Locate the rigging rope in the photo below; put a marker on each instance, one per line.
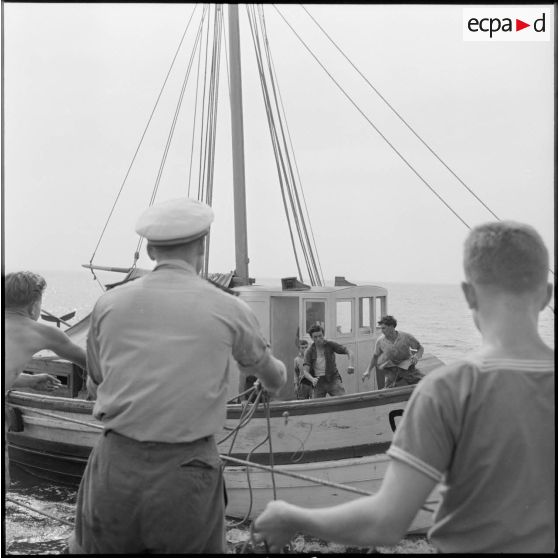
(424, 181)
(35, 510)
(172, 129)
(200, 194)
(274, 73)
(212, 121)
(141, 139)
(274, 142)
(267, 418)
(194, 123)
(283, 125)
(399, 115)
(288, 185)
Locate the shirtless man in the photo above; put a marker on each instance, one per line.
(24, 336)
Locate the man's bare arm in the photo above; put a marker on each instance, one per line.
(381, 519)
(42, 382)
(63, 346)
(371, 366)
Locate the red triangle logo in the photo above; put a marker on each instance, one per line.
(519, 25)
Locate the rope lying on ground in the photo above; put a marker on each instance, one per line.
(59, 519)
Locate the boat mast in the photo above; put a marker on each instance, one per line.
(237, 130)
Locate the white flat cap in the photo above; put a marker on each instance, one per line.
(175, 221)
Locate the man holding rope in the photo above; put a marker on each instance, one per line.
(482, 426)
(158, 354)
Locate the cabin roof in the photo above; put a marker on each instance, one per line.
(325, 290)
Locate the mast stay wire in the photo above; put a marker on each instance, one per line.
(424, 181)
(285, 171)
(194, 123)
(283, 121)
(394, 110)
(399, 115)
(170, 135)
(278, 155)
(203, 121)
(212, 120)
(272, 66)
(285, 158)
(273, 140)
(211, 116)
(140, 141)
(294, 188)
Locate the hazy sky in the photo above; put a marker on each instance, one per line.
(81, 80)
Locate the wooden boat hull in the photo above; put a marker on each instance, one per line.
(248, 489)
(348, 426)
(249, 495)
(341, 439)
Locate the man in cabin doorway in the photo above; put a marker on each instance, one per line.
(25, 336)
(158, 353)
(320, 364)
(482, 426)
(393, 359)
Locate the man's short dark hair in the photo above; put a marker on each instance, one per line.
(22, 289)
(388, 320)
(506, 254)
(314, 329)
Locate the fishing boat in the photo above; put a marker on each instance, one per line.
(338, 440)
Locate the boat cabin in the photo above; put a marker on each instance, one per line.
(347, 312)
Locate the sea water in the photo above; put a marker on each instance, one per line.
(435, 314)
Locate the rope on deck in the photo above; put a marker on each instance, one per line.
(59, 519)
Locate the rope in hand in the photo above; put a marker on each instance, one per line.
(252, 541)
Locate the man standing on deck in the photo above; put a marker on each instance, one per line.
(24, 336)
(392, 357)
(158, 352)
(482, 426)
(320, 365)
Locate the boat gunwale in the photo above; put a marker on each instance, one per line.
(347, 402)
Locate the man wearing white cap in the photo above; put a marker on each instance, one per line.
(158, 355)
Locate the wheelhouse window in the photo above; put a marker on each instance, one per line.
(365, 314)
(314, 314)
(344, 317)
